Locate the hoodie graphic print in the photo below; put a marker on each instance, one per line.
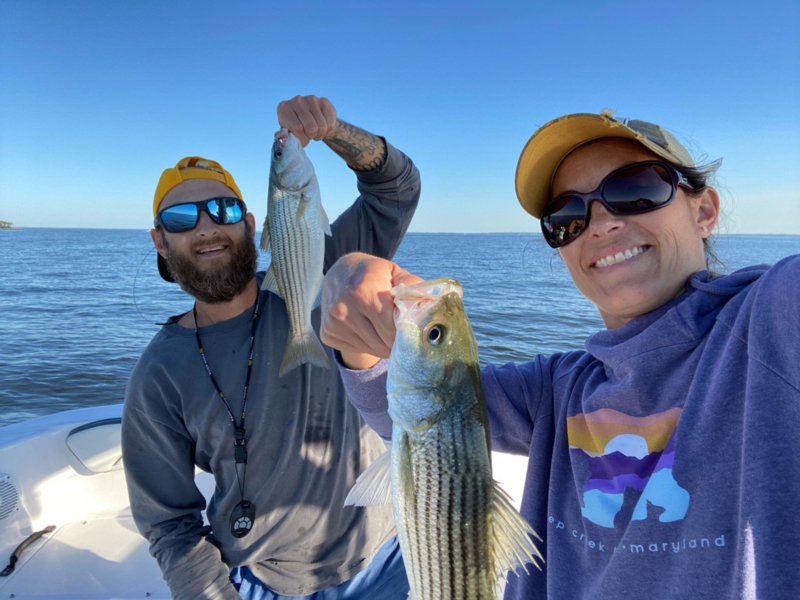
(624, 452)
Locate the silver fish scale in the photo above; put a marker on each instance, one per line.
(446, 523)
(298, 257)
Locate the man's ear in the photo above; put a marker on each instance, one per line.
(158, 242)
(251, 221)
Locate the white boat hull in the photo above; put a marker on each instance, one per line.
(95, 550)
(66, 470)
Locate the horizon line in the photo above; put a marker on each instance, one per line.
(22, 227)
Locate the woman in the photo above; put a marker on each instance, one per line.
(663, 459)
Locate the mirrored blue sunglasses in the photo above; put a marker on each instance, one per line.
(184, 217)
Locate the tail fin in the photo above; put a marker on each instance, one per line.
(303, 349)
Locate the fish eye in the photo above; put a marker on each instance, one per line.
(436, 335)
(278, 153)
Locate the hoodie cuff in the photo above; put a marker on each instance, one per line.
(366, 388)
(391, 169)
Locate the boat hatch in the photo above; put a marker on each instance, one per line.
(98, 445)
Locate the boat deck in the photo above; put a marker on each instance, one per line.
(66, 470)
(103, 558)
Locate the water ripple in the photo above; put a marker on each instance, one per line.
(73, 328)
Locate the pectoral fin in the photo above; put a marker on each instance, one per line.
(374, 486)
(403, 448)
(511, 546)
(302, 206)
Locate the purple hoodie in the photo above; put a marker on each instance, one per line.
(664, 461)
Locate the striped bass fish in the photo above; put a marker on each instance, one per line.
(294, 233)
(458, 532)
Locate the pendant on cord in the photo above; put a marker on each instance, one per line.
(242, 518)
(244, 513)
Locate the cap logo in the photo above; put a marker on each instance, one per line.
(195, 162)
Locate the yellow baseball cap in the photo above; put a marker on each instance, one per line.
(192, 167)
(553, 141)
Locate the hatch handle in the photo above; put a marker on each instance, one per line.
(12, 562)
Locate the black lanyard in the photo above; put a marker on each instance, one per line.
(244, 512)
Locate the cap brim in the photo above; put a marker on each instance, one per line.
(163, 270)
(552, 142)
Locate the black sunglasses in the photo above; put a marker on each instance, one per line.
(184, 217)
(631, 190)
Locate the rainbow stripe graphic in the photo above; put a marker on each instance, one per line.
(623, 452)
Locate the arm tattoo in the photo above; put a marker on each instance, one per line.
(361, 150)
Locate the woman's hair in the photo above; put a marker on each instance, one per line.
(701, 177)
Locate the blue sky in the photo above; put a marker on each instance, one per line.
(97, 97)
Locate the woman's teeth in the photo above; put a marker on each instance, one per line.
(613, 259)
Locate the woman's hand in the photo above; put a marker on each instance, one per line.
(357, 308)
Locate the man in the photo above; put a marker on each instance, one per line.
(284, 451)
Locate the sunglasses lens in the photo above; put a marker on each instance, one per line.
(636, 189)
(563, 220)
(640, 188)
(225, 211)
(183, 217)
(179, 218)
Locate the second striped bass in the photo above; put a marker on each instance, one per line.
(294, 233)
(458, 532)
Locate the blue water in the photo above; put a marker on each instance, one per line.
(78, 306)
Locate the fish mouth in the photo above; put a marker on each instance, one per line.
(286, 138)
(433, 288)
(413, 302)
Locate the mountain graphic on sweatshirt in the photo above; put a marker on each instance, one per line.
(623, 452)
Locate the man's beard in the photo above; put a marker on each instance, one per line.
(221, 283)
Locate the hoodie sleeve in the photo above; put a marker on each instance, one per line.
(366, 390)
(379, 218)
(516, 397)
(520, 398)
(773, 330)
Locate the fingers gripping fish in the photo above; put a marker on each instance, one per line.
(458, 532)
(294, 233)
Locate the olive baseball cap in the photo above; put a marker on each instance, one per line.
(190, 167)
(553, 141)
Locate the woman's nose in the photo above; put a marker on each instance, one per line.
(602, 220)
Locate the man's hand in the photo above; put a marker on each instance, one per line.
(307, 117)
(357, 309)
